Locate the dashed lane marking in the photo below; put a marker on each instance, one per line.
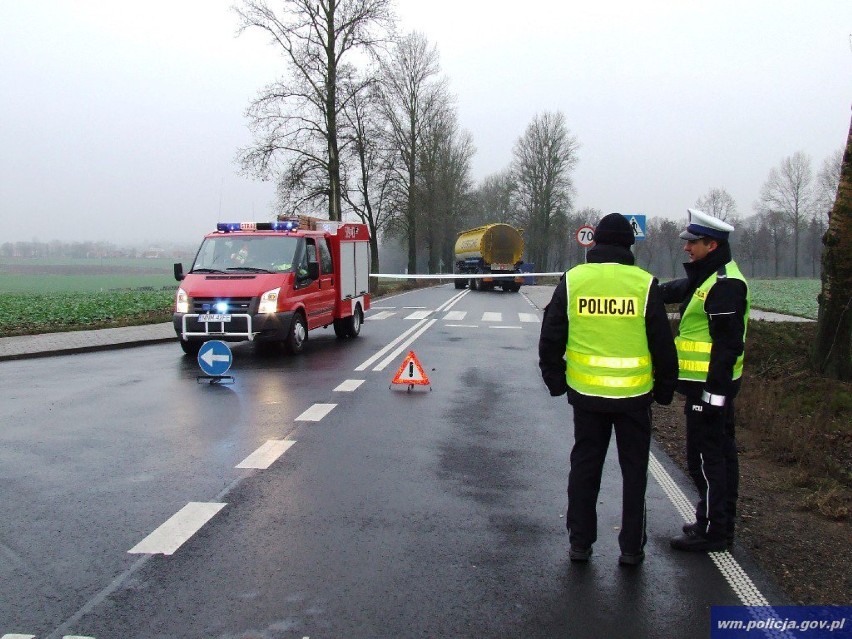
(316, 412)
(529, 317)
(14, 636)
(419, 315)
(266, 455)
(177, 529)
(348, 385)
(462, 325)
(492, 317)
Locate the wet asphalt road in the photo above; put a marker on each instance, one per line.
(425, 514)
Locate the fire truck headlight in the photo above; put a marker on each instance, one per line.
(269, 301)
(181, 301)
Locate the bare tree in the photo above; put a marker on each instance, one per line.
(492, 200)
(544, 158)
(788, 192)
(718, 203)
(295, 121)
(444, 185)
(368, 167)
(833, 347)
(412, 94)
(828, 179)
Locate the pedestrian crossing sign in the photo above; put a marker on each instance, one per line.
(410, 372)
(637, 223)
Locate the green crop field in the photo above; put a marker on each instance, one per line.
(791, 297)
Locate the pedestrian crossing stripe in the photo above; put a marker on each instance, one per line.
(410, 372)
(454, 316)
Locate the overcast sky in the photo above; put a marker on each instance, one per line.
(120, 121)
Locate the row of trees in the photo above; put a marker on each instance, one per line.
(363, 123)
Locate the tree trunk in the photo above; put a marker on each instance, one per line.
(832, 353)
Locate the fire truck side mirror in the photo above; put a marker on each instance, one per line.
(313, 270)
(178, 266)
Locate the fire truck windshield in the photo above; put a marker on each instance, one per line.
(235, 252)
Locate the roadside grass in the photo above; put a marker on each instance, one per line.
(797, 418)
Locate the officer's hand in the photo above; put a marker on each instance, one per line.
(556, 389)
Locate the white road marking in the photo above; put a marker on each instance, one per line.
(380, 308)
(316, 412)
(445, 306)
(455, 316)
(529, 317)
(14, 636)
(505, 327)
(366, 364)
(77, 637)
(413, 307)
(266, 455)
(387, 360)
(349, 385)
(177, 529)
(492, 317)
(462, 325)
(419, 315)
(728, 566)
(381, 315)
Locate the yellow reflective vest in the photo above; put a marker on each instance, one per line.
(693, 342)
(607, 354)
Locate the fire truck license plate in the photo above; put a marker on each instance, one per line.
(214, 317)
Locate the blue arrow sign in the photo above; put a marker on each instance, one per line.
(215, 358)
(638, 224)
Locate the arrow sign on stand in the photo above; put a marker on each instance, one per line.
(215, 358)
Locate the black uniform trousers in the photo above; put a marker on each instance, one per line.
(592, 432)
(711, 458)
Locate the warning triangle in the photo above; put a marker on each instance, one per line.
(410, 372)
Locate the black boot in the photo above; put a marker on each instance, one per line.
(693, 541)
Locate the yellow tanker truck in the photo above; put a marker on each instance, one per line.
(493, 250)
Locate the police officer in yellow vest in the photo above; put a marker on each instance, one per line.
(714, 312)
(606, 341)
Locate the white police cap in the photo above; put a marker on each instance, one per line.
(703, 225)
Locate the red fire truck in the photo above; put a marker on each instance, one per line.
(272, 282)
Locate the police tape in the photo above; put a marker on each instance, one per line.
(461, 276)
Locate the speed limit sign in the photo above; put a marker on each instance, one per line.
(585, 235)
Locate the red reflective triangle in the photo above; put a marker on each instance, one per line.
(410, 372)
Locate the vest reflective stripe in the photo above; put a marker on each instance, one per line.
(609, 362)
(693, 342)
(607, 353)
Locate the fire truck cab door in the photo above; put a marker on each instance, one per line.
(321, 308)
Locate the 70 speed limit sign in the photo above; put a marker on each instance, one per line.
(585, 235)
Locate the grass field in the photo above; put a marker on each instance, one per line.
(38, 296)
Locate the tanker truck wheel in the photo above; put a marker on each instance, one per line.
(474, 284)
(459, 283)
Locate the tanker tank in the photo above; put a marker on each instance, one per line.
(493, 254)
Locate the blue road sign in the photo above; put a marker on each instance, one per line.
(214, 358)
(638, 224)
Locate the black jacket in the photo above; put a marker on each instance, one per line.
(725, 306)
(554, 338)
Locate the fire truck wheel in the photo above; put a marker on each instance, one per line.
(190, 348)
(353, 324)
(298, 336)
